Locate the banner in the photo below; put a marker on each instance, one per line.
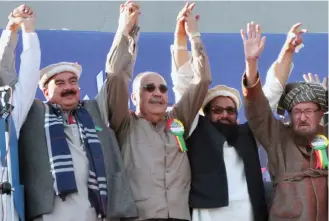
(225, 52)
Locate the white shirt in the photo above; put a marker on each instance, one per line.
(23, 95)
(29, 74)
(239, 207)
(76, 205)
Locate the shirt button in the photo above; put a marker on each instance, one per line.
(167, 171)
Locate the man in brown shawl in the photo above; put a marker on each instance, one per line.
(299, 179)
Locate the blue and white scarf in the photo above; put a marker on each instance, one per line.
(61, 161)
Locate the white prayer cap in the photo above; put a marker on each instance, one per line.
(53, 69)
(222, 90)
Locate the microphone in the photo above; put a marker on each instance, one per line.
(5, 188)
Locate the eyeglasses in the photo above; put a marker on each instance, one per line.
(152, 87)
(220, 110)
(308, 112)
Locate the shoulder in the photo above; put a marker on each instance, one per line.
(89, 102)
(202, 119)
(38, 103)
(245, 129)
(245, 126)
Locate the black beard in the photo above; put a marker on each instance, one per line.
(229, 131)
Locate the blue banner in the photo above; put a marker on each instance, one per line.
(225, 53)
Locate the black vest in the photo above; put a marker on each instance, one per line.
(209, 182)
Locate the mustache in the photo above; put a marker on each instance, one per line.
(303, 124)
(68, 92)
(225, 119)
(156, 100)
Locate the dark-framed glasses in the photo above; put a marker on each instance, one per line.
(152, 87)
(307, 112)
(220, 110)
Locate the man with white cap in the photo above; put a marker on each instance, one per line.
(298, 152)
(17, 96)
(70, 162)
(214, 163)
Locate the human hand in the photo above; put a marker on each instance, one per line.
(180, 20)
(253, 43)
(17, 16)
(129, 14)
(191, 22)
(310, 78)
(294, 38)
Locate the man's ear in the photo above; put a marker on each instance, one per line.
(134, 99)
(45, 92)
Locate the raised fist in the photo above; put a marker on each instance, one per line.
(129, 14)
(22, 11)
(22, 16)
(180, 20)
(191, 21)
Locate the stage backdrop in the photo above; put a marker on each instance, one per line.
(225, 53)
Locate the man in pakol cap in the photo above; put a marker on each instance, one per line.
(297, 152)
(70, 162)
(73, 168)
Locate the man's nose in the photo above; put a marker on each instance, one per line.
(302, 117)
(224, 114)
(66, 85)
(157, 92)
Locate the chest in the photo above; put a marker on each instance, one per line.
(154, 136)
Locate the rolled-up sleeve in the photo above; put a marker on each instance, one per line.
(273, 89)
(192, 99)
(182, 76)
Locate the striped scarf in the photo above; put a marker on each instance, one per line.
(61, 162)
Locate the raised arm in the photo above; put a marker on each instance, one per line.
(29, 71)
(119, 67)
(273, 88)
(8, 43)
(182, 75)
(264, 126)
(181, 66)
(190, 103)
(280, 70)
